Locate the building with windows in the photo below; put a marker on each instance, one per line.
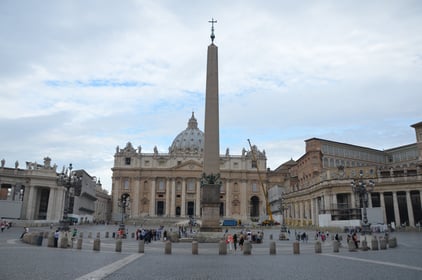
(168, 184)
(102, 212)
(82, 201)
(318, 184)
(35, 194)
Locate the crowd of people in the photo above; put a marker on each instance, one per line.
(5, 225)
(237, 240)
(149, 235)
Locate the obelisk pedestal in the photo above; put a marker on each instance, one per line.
(210, 208)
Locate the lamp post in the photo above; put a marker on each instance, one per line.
(282, 208)
(362, 188)
(283, 230)
(69, 180)
(124, 204)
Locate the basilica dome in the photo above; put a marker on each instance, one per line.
(190, 140)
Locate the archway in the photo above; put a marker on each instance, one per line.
(254, 209)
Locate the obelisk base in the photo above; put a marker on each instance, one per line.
(210, 208)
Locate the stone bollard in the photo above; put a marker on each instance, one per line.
(296, 248)
(141, 246)
(194, 247)
(247, 247)
(336, 246)
(118, 245)
(97, 244)
(364, 245)
(40, 238)
(318, 249)
(89, 234)
(392, 242)
(33, 239)
(107, 234)
(133, 235)
(352, 247)
(272, 248)
(81, 235)
(50, 240)
(167, 248)
(64, 241)
(98, 235)
(374, 243)
(222, 247)
(383, 244)
(79, 244)
(271, 237)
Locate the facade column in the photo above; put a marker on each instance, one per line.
(173, 198)
(313, 212)
(168, 205)
(352, 200)
(30, 208)
(301, 210)
(244, 202)
(308, 210)
(228, 199)
(183, 206)
(396, 209)
(317, 209)
(369, 200)
(198, 199)
(334, 201)
(135, 199)
(384, 211)
(410, 209)
(115, 195)
(53, 213)
(152, 199)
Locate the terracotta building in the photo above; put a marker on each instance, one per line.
(317, 189)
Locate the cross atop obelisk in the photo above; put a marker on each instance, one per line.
(212, 21)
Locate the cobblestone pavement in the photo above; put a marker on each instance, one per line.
(23, 261)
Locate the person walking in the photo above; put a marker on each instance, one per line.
(241, 241)
(235, 241)
(56, 238)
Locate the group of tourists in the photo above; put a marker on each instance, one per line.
(236, 240)
(322, 235)
(5, 225)
(354, 237)
(148, 235)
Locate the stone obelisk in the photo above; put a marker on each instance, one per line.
(210, 183)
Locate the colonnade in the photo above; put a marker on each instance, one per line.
(302, 212)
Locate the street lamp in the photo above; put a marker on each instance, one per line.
(362, 188)
(283, 230)
(124, 204)
(69, 180)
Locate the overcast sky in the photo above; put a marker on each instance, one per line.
(78, 78)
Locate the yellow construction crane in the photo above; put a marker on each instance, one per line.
(270, 220)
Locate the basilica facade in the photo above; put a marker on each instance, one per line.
(168, 184)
